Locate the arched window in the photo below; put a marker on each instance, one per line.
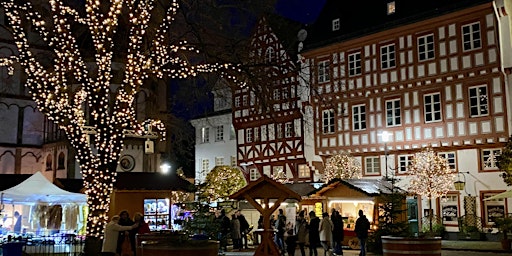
(49, 163)
(61, 160)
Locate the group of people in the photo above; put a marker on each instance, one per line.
(327, 232)
(238, 227)
(120, 232)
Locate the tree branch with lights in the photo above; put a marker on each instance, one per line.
(76, 88)
(342, 166)
(221, 182)
(431, 176)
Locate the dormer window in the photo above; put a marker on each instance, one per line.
(391, 8)
(336, 24)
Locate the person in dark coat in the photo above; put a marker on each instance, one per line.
(225, 228)
(244, 228)
(361, 229)
(314, 234)
(301, 227)
(17, 224)
(337, 232)
(125, 220)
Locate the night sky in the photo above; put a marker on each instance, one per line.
(305, 11)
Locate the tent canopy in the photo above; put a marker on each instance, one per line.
(506, 194)
(38, 189)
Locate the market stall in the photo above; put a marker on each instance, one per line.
(348, 196)
(42, 208)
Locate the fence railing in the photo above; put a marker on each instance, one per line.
(58, 244)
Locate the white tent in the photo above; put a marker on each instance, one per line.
(506, 194)
(38, 190)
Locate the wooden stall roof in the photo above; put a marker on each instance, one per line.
(137, 181)
(265, 187)
(368, 187)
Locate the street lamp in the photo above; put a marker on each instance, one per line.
(385, 138)
(165, 167)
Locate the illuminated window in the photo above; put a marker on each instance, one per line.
(391, 7)
(493, 209)
(304, 171)
(450, 209)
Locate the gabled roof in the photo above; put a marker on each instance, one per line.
(265, 187)
(370, 187)
(360, 18)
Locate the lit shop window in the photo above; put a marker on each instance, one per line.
(156, 213)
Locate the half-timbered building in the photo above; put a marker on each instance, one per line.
(428, 74)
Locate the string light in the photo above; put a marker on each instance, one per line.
(68, 89)
(342, 166)
(223, 181)
(430, 173)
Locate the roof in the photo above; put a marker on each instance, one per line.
(370, 187)
(152, 181)
(359, 18)
(303, 189)
(265, 187)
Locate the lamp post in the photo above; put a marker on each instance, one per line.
(385, 138)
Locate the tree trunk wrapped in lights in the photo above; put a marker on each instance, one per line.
(431, 176)
(342, 166)
(75, 88)
(223, 181)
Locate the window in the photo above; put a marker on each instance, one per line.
(256, 134)
(478, 101)
(205, 166)
(279, 128)
(61, 161)
(403, 163)
(359, 117)
(232, 135)
(336, 24)
(245, 100)
(493, 209)
(277, 94)
(269, 55)
(233, 161)
(432, 107)
(450, 157)
(219, 133)
(304, 171)
(426, 47)
(328, 121)
(288, 130)
(237, 101)
(393, 113)
(372, 164)
(354, 64)
(387, 56)
(156, 213)
(489, 161)
(450, 209)
(248, 135)
(471, 38)
(254, 174)
(391, 7)
(219, 161)
(205, 135)
(323, 71)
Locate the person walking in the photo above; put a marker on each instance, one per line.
(244, 229)
(225, 225)
(281, 228)
(361, 229)
(236, 236)
(111, 235)
(337, 232)
(314, 235)
(301, 227)
(325, 230)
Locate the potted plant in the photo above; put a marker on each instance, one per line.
(504, 225)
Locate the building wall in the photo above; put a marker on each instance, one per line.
(451, 74)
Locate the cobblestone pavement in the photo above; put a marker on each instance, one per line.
(356, 253)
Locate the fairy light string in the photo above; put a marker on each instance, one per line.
(75, 93)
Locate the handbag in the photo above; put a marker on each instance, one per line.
(126, 247)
